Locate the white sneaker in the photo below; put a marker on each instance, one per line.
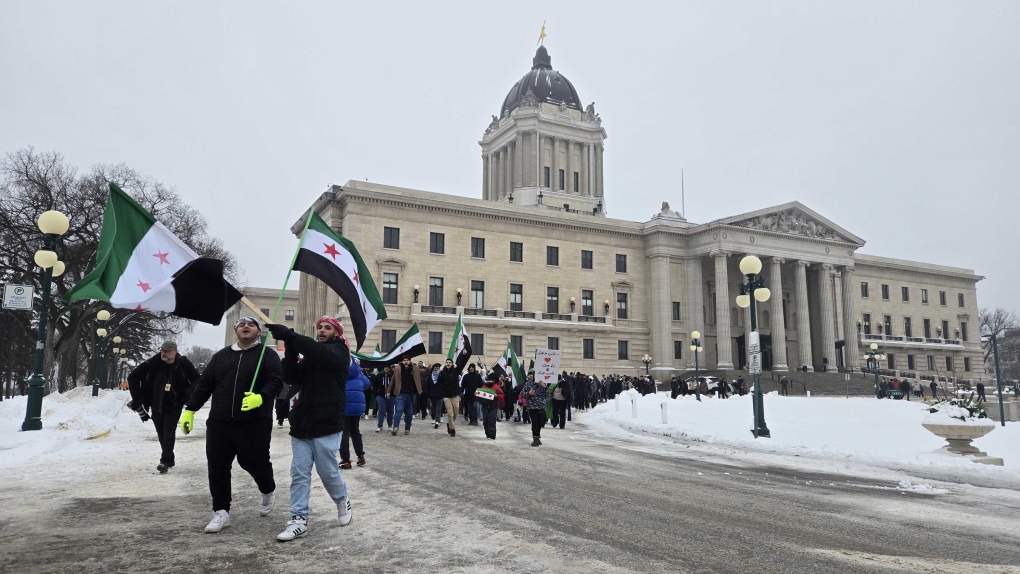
(378, 429)
(219, 521)
(296, 526)
(268, 501)
(343, 511)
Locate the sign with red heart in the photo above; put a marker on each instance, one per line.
(547, 365)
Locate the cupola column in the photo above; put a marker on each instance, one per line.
(485, 177)
(519, 160)
(584, 168)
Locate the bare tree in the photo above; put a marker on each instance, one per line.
(996, 321)
(197, 354)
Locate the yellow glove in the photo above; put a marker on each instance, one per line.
(187, 422)
(251, 401)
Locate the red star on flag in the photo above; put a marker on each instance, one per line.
(331, 250)
(162, 257)
(140, 308)
(144, 286)
(356, 280)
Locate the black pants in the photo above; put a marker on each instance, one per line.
(351, 432)
(282, 408)
(248, 441)
(559, 415)
(537, 421)
(166, 430)
(489, 409)
(472, 413)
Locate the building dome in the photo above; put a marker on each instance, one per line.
(546, 84)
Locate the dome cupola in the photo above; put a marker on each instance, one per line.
(546, 84)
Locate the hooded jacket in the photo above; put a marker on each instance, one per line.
(147, 382)
(320, 382)
(357, 388)
(472, 380)
(229, 375)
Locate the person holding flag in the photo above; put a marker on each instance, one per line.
(449, 377)
(491, 403)
(240, 423)
(537, 395)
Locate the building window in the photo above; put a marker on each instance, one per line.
(478, 247)
(265, 311)
(478, 344)
(552, 255)
(437, 243)
(959, 300)
(389, 340)
(927, 328)
(945, 329)
(905, 293)
(867, 323)
(391, 237)
(864, 289)
(552, 299)
(887, 319)
(587, 302)
(589, 348)
(516, 252)
(966, 364)
(906, 327)
(545, 176)
(924, 296)
(621, 263)
(586, 259)
(436, 343)
(963, 331)
(949, 364)
(678, 350)
(890, 361)
(436, 291)
(561, 183)
(478, 295)
(885, 292)
(389, 288)
(911, 365)
(517, 342)
(676, 310)
(553, 344)
(931, 362)
(288, 315)
(942, 298)
(577, 182)
(621, 305)
(516, 297)
(622, 350)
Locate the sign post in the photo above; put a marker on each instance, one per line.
(18, 296)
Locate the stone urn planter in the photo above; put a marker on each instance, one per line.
(959, 426)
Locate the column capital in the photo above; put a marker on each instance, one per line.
(828, 267)
(848, 269)
(778, 260)
(718, 253)
(803, 263)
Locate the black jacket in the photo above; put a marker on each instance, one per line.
(229, 375)
(320, 380)
(380, 383)
(147, 382)
(472, 381)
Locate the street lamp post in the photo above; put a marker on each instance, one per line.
(755, 290)
(115, 362)
(52, 224)
(696, 348)
(101, 318)
(646, 360)
(873, 357)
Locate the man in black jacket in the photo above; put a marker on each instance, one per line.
(162, 384)
(471, 382)
(317, 419)
(449, 386)
(240, 423)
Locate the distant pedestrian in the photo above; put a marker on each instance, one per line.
(934, 390)
(491, 406)
(357, 389)
(784, 384)
(537, 395)
(981, 391)
(405, 387)
(384, 406)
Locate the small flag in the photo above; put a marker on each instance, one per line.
(509, 365)
(142, 265)
(378, 351)
(336, 262)
(461, 340)
(410, 345)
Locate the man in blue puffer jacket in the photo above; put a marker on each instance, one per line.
(357, 404)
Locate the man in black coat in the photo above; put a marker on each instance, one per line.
(472, 381)
(162, 384)
(240, 423)
(448, 384)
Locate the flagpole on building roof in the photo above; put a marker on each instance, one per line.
(283, 290)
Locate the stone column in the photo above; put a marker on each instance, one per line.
(850, 351)
(694, 286)
(803, 319)
(519, 160)
(779, 363)
(585, 150)
(661, 347)
(485, 177)
(554, 161)
(837, 301)
(538, 159)
(568, 179)
(508, 169)
(828, 321)
(599, 190)
(724, 342)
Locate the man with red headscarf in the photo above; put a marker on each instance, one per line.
(316, 420)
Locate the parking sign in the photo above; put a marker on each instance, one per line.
(18, 296)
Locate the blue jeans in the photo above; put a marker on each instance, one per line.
(404, 406)
(322, 452)
(385, 407)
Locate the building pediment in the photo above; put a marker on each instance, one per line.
(793, 219)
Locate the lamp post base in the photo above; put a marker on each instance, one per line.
(33, 414)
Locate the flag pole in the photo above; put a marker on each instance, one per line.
(283, 291)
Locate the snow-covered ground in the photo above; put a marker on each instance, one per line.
(856, 433)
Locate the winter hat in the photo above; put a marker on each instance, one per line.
(252, 320)
(336, 325)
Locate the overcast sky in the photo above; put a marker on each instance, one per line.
(896, 120)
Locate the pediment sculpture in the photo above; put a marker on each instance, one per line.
(792, 222)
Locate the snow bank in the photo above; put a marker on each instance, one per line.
(865, 431)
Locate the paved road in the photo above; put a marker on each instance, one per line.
(580, 503)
